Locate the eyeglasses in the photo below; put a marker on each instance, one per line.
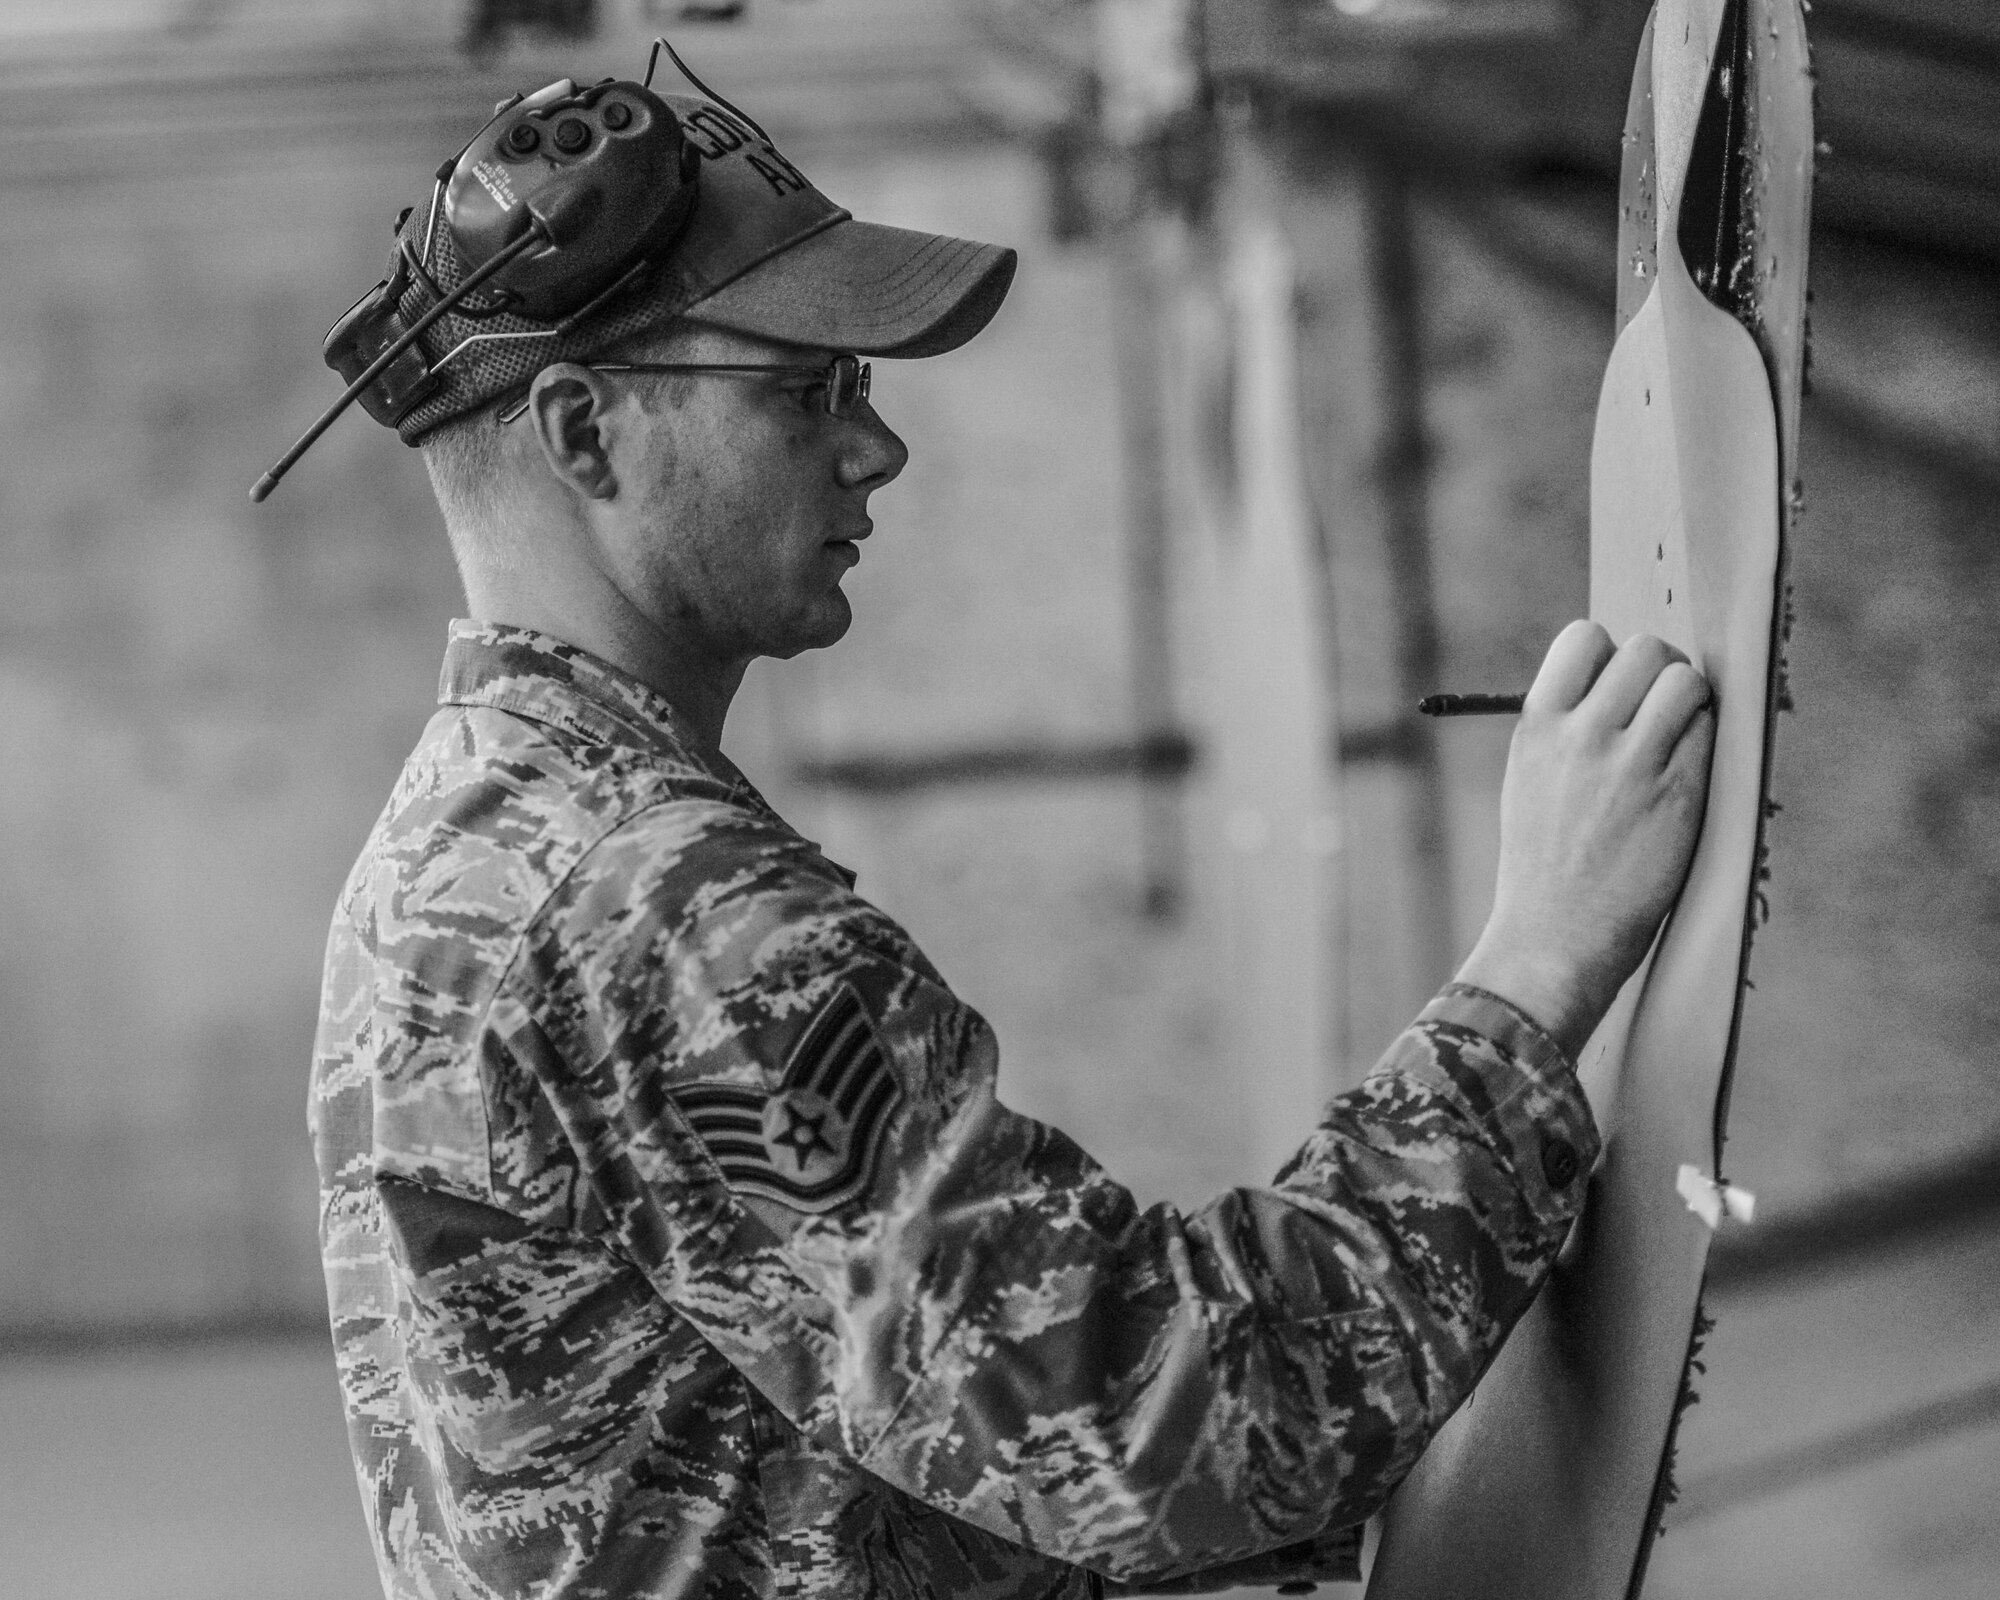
(846, 379)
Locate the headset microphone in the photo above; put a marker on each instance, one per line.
(537, 233)
(564, 200)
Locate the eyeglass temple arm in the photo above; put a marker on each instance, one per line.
(697, 366)
(514, 408)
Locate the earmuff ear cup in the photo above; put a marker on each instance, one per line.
(610, 161)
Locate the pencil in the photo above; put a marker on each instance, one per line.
(1470, 705)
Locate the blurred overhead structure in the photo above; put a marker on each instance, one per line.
(490, 23)
(1313, 47)
(1494, 93)
(146, 99)
(1909, 98)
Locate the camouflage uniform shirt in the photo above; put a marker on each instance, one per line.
(677, 1245)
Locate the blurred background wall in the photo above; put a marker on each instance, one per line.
(202, 704)
(207, 701)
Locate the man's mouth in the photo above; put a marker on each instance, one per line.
(849, 548)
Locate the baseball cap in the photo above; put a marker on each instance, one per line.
(764, 253)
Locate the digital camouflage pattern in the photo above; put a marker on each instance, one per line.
(610, 1324)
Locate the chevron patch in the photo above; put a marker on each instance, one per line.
(811, 1142)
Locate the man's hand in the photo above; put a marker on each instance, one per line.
(1603, 800)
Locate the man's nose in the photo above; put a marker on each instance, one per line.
(873, 453)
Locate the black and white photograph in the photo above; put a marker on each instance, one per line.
(999, 799)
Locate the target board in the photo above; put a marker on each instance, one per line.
(1549, 1482)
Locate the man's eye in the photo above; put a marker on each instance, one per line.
(807, 395)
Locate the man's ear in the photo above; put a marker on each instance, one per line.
(566, 404)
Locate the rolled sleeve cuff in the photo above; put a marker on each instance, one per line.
(1523, 1087)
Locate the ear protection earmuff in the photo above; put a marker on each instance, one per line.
(565, 198)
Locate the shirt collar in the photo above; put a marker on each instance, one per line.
(537, 676)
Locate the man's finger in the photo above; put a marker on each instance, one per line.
(1570, 668)
(1675, 700)
(1688, 762)
(1622, 686)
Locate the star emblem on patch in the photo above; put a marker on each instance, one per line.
(811, 1142)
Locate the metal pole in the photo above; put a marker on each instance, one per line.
(1162, 846)
(1404, 477)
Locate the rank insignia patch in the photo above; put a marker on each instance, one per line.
(810, 1143)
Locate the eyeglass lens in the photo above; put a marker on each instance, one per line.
(847, 386)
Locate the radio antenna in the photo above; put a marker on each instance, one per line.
(536, 233)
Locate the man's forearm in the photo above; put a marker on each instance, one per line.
(1217, 1386)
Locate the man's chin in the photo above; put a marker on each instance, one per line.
(824, 624)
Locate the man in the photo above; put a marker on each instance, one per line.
(676, 1242)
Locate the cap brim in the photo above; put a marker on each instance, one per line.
(871, 289)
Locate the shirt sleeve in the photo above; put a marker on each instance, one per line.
(787, 1121)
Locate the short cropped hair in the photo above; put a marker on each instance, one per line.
(463, 460)
(463, 456)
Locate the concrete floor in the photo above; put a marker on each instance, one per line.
(222, 1473)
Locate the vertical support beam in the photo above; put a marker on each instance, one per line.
(1272, 770)
(1146, 80)
(1315, 174)
(1141, 378)
(1404, 476)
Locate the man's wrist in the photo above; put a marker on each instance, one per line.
(1556, 1001)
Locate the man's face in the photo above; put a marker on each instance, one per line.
(741, 502)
